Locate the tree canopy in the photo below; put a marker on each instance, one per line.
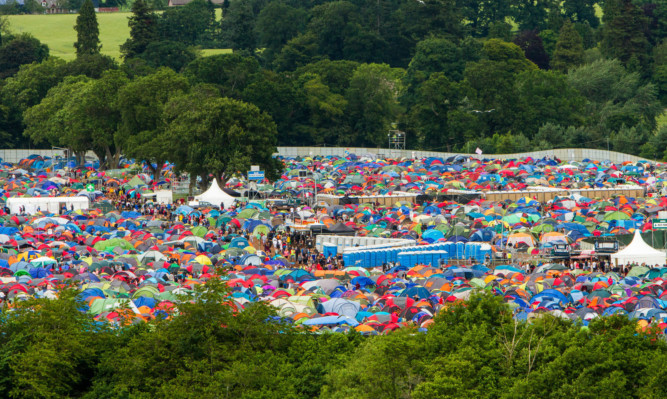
(453, 75)
(211, 349)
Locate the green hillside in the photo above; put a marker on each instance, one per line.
(57, 31)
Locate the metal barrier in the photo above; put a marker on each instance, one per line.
(565, 154)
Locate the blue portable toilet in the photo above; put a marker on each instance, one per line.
(442, 255)
(460, 250)
(450, 247)
(329, 250)
(394, 255)
(403, 258)
(484, 250)
(427, 258)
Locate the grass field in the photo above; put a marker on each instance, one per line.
(57, 31)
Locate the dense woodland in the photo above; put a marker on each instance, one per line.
(501, 75)
(473, 350)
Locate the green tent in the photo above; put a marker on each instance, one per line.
(247, 213)
(616, 215)
(134, 182)
(112, 243)
(638, 271)
(199, 231)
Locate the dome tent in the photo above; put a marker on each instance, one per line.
(638, 252)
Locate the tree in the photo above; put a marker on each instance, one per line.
(277, 23)
(20, 50)
(623, 33)
(238, 27)
(395, 371)
(660, 69)
(174, 55)
(569, 51)
(96, 112)
(509, 54)
(23, 90)
(581, 11)
(615, 97)
(531, 44)
(630, 140)
(143, 127)
(546, 97)
(220, 136)
(191, 24)
(492, 83)
(417, 20)
(480, 15)
(437, 55)
(50, 348)
(335, 74)
(656, 145)
(91, 65)
(655, 12)
(231, 73)
(533, 15)
(330, 24)
(32, 82)
(435, 99)
(87, 30)
(54, 121)
(143, 30)
(326, 110)
(277, 95)
(299, 51)
(372, 103)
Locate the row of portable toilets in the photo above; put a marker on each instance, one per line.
(419, 254)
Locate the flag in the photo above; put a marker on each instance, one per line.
(478, 151)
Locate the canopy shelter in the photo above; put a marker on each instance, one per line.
(216, 196)
(638, 252)
(46, 204)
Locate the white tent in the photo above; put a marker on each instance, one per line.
(638, 252)
(46, 204)
(216, 196)
(160, 196)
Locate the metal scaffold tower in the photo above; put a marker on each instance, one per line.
(396, 141)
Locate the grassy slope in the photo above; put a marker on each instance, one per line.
(57, 31)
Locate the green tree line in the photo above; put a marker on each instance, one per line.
(504, 76)
(211, 349)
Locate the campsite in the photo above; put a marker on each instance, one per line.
(333, 199)
(231, 277)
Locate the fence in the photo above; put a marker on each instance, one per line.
(568, 154)
(565, 154)
(14, 156)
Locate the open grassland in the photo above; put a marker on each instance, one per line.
(57, 31)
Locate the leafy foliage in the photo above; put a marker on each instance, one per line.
(87, 31)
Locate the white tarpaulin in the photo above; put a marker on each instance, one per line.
(638, 252)
(215, 196)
